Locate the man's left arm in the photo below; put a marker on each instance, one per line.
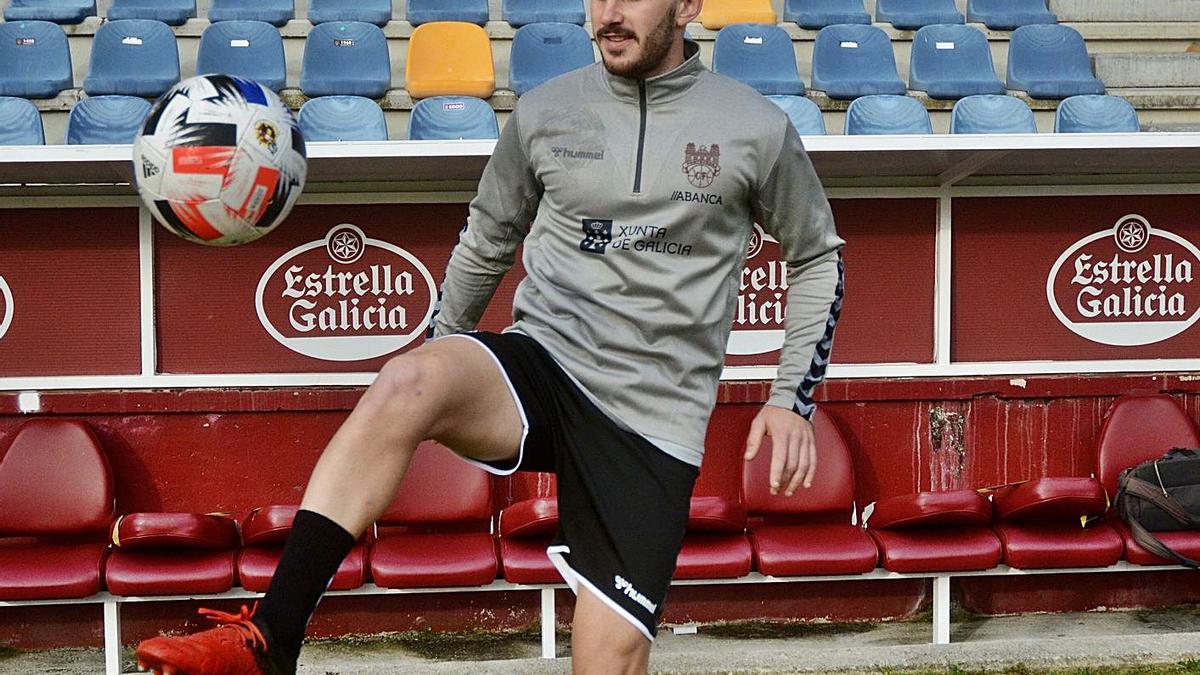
(793, 209)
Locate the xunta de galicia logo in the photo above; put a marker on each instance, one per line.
(1128, 285)
(346, 297)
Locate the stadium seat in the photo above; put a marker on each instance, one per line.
(342, 118)
(442, 118)
(377, 12)
(715, 544)
(170, 12)
(760, 56)
(435, 533)
(20, 123)
(951, 62)
(990, 114)
(133, 57)
(274, 12)
(450, 58)
(1041, 524)
(1095, 114)
(103, 120)
(885, 114)
(35, 61)
(805, 115)
(935, 532)
(810, 533)
(56, 503)
(427, 11)
(851, 61)
(56, 11)
(526, 529)
(264, 533)
(717, 14)
(817, 14)
(1009, 14)
(541, 51)
(914, 14)
(1050, 61)
(249, 49)
(1139, 428)
(171, 554)
(524, 12)
(346, 59)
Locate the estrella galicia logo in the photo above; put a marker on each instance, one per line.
(701, 164)
(597, 235)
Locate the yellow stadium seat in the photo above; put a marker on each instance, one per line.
(720, 13)
(449, 58)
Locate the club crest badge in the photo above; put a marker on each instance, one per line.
(702, 164)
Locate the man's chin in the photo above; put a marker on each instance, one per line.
(622, 68)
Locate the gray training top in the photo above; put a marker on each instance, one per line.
(635, 201)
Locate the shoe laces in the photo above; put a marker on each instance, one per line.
(241, 622)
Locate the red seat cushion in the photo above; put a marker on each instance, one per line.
(524, 561)
(169, 572)
(798, 550)
(175, 531)
(1138, 428)
(832, 490)
(1184, 542)
(1040, 545)
(1053, 499)
(267, 525)
(530, 518)
(716, 514)
(931, 509)
(55, 479)
(428, 560)
(34, 571)
(256, 565)
(713, 556)
(946, 549)
(439, 487)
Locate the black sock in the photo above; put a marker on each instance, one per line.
(313, 552)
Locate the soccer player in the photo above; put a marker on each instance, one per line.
(633, 185)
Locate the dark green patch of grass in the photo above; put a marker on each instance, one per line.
(8, 652)
(766, 630)
(442, 646)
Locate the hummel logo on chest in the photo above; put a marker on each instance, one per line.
(570, 153)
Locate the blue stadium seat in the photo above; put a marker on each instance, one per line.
(760, 55)
(816, 14)
(443, 118)
(1095, 114)
(35, 61)
(170, 12)
(950, 61)
(348, 58)
(913, 14)
(1009, 14)
(1050, 61)
(342, 118)
(524, 12)
(132, 57)
(57, 11)
(274, 12)
(249, 49)
(806, 117)
(428, 11)
(20, 123)
(378, 12)
(885, 114)
(106, 119)
(541, 51)
(990, 114)
(852, 61)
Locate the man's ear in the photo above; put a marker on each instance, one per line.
(689, 11)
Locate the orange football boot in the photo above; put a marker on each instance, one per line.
(235, 647)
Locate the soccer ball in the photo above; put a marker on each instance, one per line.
(220, 160)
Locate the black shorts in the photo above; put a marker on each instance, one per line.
(622, 502)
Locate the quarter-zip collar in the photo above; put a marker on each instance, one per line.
(661, 88)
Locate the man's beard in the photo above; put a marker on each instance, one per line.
(655, 48)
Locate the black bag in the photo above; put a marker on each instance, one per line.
(1162, 495)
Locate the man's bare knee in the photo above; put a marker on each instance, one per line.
(408, 383)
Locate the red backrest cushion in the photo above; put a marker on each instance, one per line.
(1050, 499)
(931, 509)
(267, 525)
(715, 514)
(175, 531)
(440, 488)
(833, 484)
(530, 518)
(1139, 428)
(55, 479)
